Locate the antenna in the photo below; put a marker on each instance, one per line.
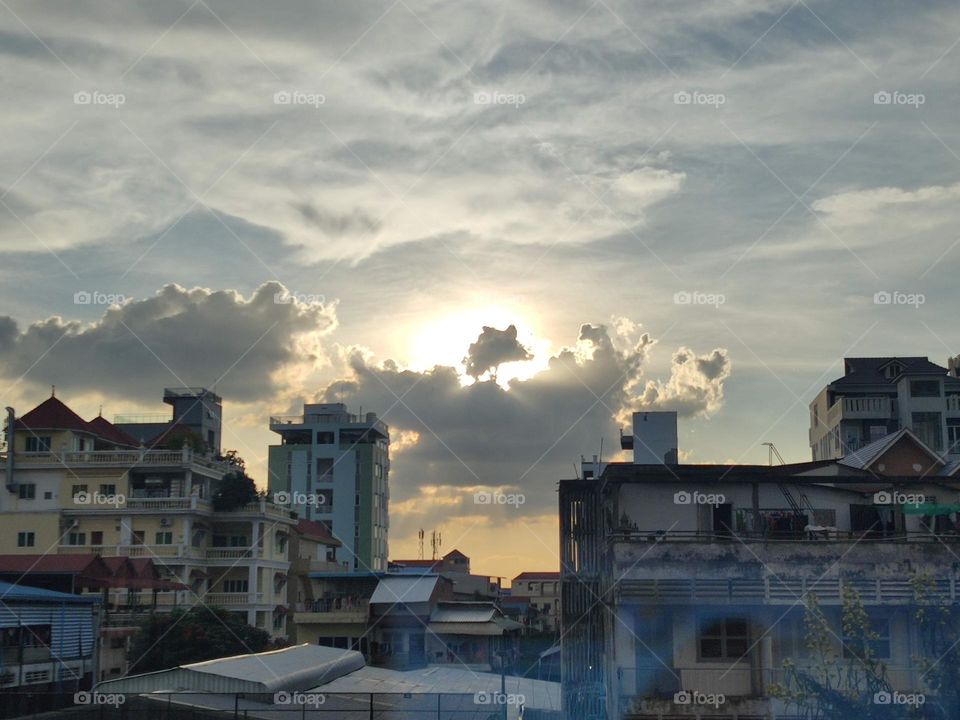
(771, 451)
(600, 457)
(420, 544)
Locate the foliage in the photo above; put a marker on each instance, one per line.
(233, 490)
(180, 435)
(201, 633)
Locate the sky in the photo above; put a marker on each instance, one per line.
(503, 226)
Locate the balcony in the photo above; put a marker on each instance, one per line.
(290, 422)
(345, 609)
(229, 599)
(165, 504)
(233, 553)
(124, 459)
(866, 408)
(953, 405)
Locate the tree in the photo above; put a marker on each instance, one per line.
(178, 436)
(201, 633)
(233, 490)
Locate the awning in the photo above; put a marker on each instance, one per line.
(931, 509)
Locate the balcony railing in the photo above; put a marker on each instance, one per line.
(168, 503)
(233, 553)
(126, 459)
(864, 408)
(241, 598)
(953, 404)
(325, 419)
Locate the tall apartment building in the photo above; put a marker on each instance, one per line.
(76, 486)
(333, 467)
(684, 586)
(878, 396)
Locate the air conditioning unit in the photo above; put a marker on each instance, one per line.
(165, 522)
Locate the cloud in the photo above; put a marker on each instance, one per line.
(523, 438)
(858, 207)
(493, 348)
(179, 336)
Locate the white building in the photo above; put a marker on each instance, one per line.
(333, 467)
(878, 396)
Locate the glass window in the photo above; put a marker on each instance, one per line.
(25, 539)
(925, 388)
(76, 538)
(38, 444)
(164, 538)
(926, 426)
(723, 639)
(110, 489)
(27, 491)
(324, 469)
(96, 537)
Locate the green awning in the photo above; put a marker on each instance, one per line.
(931, 509)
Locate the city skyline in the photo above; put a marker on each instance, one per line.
(691, 207)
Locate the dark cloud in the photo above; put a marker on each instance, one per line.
(337, 224)
(522, 439)
(493, 348)
(179, 336)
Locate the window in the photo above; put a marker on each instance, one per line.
(25, 539)
(117, 643)
(953, 438)
(110, 489)
(38, 444)
(164, 538)
(926, 426)
(878, 640)
(325, 438)
(27, 491)
(96, 537)
(324, 469)
(793, 637)
(138, 537)
(924, 388)
(235, 586)
(723, 639)
(77, 489)
(47, 495)
(76, 538)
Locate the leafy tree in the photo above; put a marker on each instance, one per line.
(233, 490)
(177, 436)
(201, 633)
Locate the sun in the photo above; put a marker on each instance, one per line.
(444, 339)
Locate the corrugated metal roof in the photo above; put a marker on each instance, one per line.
(10, 592)
(393, 590)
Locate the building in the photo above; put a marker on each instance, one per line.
(542, 590)
(684, 587)
(87, 487)
(47, 640)
(455, 566)
(315, 681)
(195, 409)
(333, 467)
(880, 395)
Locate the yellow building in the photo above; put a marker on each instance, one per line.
(73, 486)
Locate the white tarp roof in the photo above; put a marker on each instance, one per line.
(404, 589)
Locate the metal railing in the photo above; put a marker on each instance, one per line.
(232, 598)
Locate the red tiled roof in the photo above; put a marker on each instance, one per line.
(106, 430)
(537, 576)
(52, 414)
(317, 531)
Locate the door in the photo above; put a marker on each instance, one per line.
(723, 519)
